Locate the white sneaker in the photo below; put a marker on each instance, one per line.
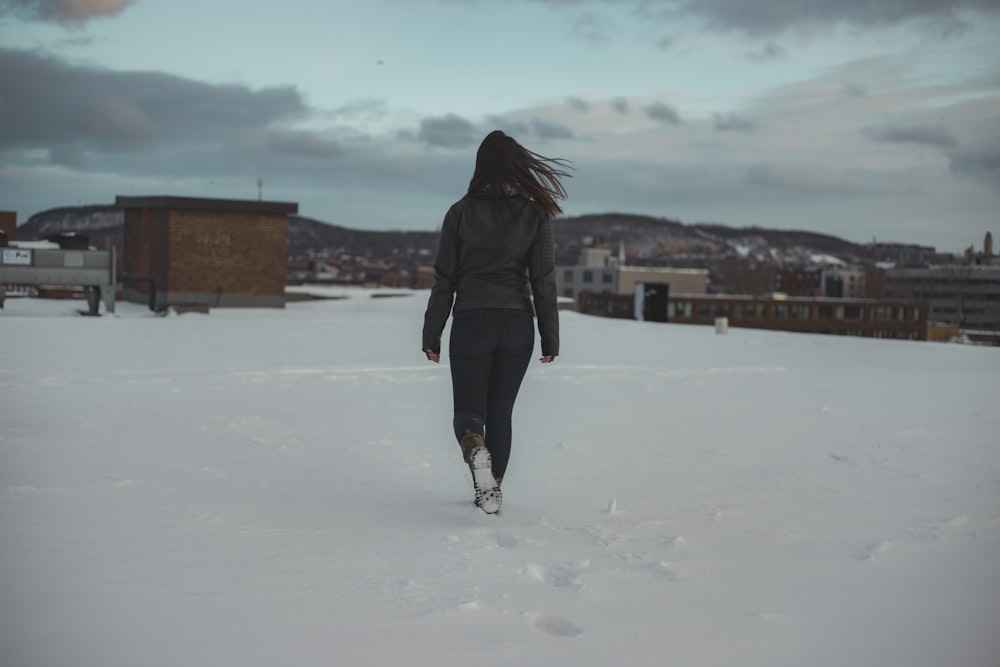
(488, 497)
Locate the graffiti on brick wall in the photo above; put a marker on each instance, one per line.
(217, 244)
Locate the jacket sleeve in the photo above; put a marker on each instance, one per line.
(445, 279)
(542, 274)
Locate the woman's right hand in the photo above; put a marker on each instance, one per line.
(432, 355)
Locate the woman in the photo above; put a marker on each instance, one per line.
(495, 260)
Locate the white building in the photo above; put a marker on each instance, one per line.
(598, 271)
(843, 282)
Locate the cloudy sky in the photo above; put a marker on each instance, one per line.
(860, 118)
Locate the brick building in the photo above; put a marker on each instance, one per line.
(204, 253)
(799, 282)
(900, 319)
(8, 225)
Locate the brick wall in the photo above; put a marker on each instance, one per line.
(144, 256)
(8, 224)
(220, 252)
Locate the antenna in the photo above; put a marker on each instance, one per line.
(260, 188)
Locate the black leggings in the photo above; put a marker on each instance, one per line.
(489, 353)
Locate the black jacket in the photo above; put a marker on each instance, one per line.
(494, 253)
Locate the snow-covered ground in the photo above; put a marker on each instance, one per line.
(268, 487)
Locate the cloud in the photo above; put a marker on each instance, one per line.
(449, 131)
(118, 123)
(619, 104)
(524, 130)
(813, 179)
(855, 90)
(52, 105)
(665, 43)
(367, 108)
(662, 113)
(772, 17)
(514, 128)
(577, 104)
(928, 135)
(769, 51)
(981, 163)
(67, 12)
(544, 129)
(68, 156)
(593, 29)
(304, 144)
(732, 121)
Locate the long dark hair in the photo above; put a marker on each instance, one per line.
(505, 167)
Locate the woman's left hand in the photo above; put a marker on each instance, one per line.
(547, 359)
(433, 356)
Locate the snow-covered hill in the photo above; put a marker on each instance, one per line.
(261, 487)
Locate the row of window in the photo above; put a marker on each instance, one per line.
(875, 333)
(588, 277)
(943, 281)
(969, 296)
(966, 311)
(793, 311)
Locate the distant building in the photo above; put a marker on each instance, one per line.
(423, 277)
(799, 282)
(687, 281)
(204, 253)
(598, 271)
(963, 295)
(905, 320)
(986, 257)
(745, 275)
(906, 255)
(844, 283)
(838, 282)
(8, 226)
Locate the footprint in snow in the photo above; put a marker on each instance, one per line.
(556, 626)
(33, 489)
(507, 540)
(557, 576)
(771, 616)
(873, 551)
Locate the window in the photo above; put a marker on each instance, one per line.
(680, 309)
(588, 276)
(607, 278)
(568, 275)
(704, 310)
(800, 311)
(848, 313)
(876, 313)
(781, 311)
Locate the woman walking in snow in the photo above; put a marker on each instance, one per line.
(495, 260)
